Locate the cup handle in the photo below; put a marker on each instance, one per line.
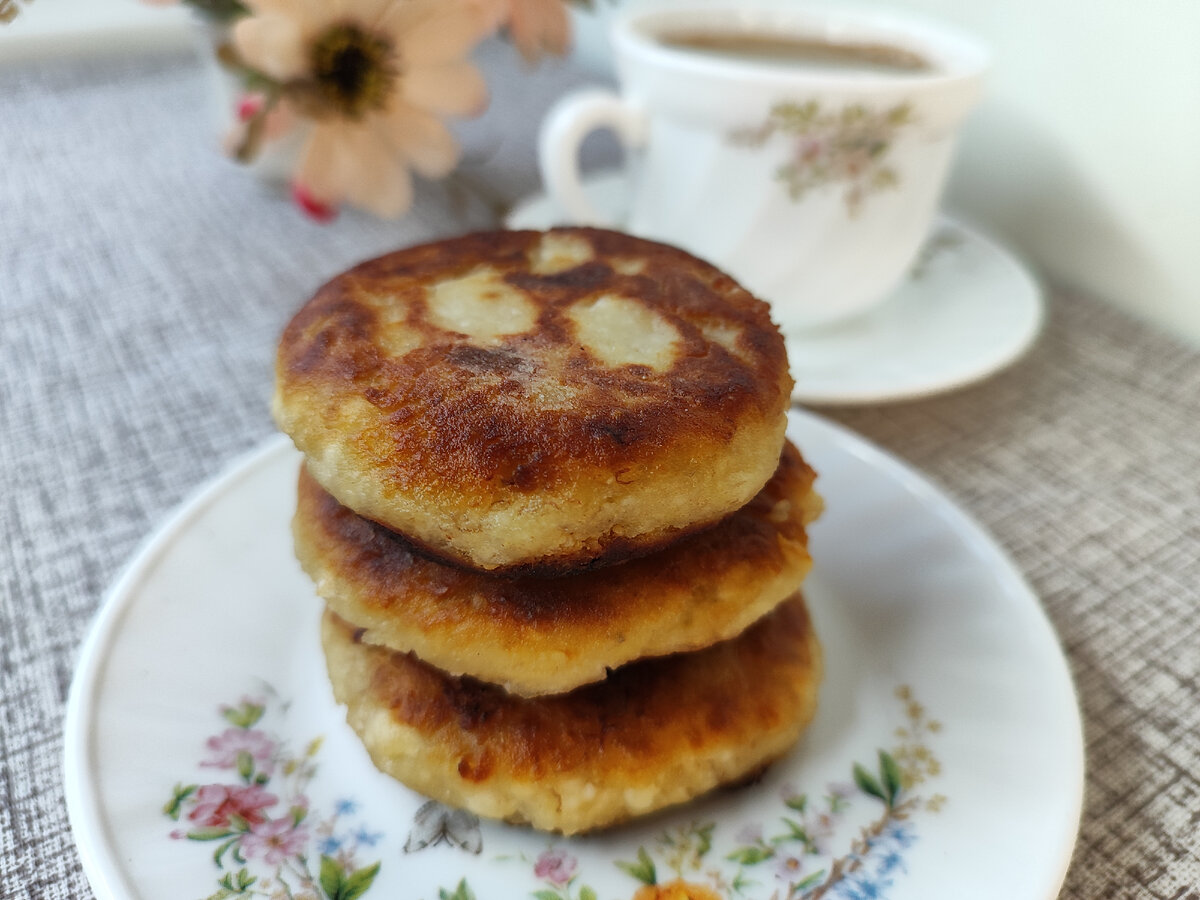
(569, 121)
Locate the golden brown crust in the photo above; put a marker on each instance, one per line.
(655, 733)
(538, 635)
(397, 413)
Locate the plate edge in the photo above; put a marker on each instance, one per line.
(945, 503)
(84, 814)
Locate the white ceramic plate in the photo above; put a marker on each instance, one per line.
(203, 747)
(967, 309)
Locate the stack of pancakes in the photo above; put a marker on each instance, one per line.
(549, 504)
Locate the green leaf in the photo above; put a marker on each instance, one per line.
(462, 892)
(750, 856)
(705, 835)
(891, 776)
(359, 882)
(245, 879)
(796, 829)
(798, 802)
(208, 834)
(867, 784)
(643, 870)
(245, 765)
(586, 893)
(741, 882)
(798, 832)
(546, 895)
(243, 716)
(811, 881)
(220, 851)
(178, 795)
(332, 877)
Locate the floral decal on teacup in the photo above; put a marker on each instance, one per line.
(255, 812)
(848, 146)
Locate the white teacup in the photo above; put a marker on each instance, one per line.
(802, 151)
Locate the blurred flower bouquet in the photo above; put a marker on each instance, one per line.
(362, 87)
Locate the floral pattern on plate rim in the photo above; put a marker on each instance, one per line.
(256, 813)
(849, 146)
(265, 839)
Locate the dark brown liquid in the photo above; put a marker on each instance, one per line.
(808, 53)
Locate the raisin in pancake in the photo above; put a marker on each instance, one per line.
(547, 635)
(517, 400)
(654, 734)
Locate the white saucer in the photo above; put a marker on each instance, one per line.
(967, 309)
(204, 749)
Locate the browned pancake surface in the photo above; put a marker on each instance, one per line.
(535, 374)
(655, 733)
(548, 635)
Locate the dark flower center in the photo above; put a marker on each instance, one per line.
(353, 71)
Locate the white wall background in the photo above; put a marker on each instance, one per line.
(1086, 154)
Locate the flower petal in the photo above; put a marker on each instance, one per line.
(495, 12)
(355, 164)
(374, 14)
(422, 139)
(273, 44)
(380, 183)
(298, 10)
(455, 89)
(401, 16)
(389, 195)
(445, 37)
(540, 26)
(322, 169)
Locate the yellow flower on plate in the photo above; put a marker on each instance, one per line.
(676, 890)
(375, 77)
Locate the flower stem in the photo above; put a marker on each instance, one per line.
(850, 863)
(251, 142)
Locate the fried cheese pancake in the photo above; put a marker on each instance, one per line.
(520, 400)
(548, 635)
(654, 734)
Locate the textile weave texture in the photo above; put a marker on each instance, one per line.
(143, 284)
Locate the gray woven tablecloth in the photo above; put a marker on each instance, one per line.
(143, 284)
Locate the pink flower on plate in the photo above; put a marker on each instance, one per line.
(555, 866)
(227, 746)
(275, 841)
(216, 804)
(789, 868)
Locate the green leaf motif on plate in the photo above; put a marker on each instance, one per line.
(643, 870)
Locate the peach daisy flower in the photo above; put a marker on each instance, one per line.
(375, 77)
